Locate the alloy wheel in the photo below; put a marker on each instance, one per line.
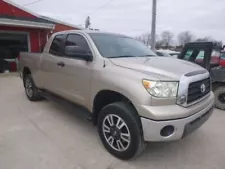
(116, 132)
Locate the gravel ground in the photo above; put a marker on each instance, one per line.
(44, 135)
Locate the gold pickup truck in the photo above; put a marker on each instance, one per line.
(132, 95)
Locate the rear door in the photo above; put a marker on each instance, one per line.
(51, 65)
(198, 52)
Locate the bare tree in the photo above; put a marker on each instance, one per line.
(158, 44)
(219, 43)
(145, 38)
(185, 37)
(205, 39)
(167, 38)
(210, 39)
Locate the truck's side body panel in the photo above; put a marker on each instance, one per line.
(32, 61)
(77, 67)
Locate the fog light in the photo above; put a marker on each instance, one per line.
(167, 131)
(181, 99)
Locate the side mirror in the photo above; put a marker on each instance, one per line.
(78, 52)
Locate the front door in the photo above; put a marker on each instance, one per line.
(75, 75)
(51, 65)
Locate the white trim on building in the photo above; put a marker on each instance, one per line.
(22, 23)
(60, 22)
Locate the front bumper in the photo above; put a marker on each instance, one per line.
(182, 127)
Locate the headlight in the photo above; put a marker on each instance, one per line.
(161, 89)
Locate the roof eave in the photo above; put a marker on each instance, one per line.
(61, 22)
(29, 24)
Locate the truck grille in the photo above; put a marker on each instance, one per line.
(197, 90)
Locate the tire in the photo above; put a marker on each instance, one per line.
(132, 136)
(30, 89)
(220, 97)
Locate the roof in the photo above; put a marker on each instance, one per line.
(41, 18)
(90, 31)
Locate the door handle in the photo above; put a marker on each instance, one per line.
(61, 64)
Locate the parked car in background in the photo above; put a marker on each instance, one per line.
(174, 54)
(167, 53)
(162, 53)
(132, 96)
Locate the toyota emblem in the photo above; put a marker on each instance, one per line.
(202, 87)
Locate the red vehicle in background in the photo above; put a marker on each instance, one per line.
(222, 59)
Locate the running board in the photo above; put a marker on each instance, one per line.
(81, 111)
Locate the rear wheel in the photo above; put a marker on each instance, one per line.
(220, 97)
(120, 130)
(31, 91)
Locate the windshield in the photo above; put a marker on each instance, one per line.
(116, 46)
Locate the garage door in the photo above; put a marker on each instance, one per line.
(10, 46)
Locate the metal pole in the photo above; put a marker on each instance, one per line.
(153, 24)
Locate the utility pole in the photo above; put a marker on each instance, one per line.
(153, 24)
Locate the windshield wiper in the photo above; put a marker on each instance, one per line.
(122, 56)
(146, 55)
(126, 56)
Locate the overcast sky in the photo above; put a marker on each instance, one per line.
(133, 17)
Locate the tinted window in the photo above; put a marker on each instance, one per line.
(112, 46)
(57, 46)
(77, 40)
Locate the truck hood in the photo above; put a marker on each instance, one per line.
(163, 68)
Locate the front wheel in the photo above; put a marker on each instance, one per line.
(120, 130)
(220, 97)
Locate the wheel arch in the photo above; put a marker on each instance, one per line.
(105, 97)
